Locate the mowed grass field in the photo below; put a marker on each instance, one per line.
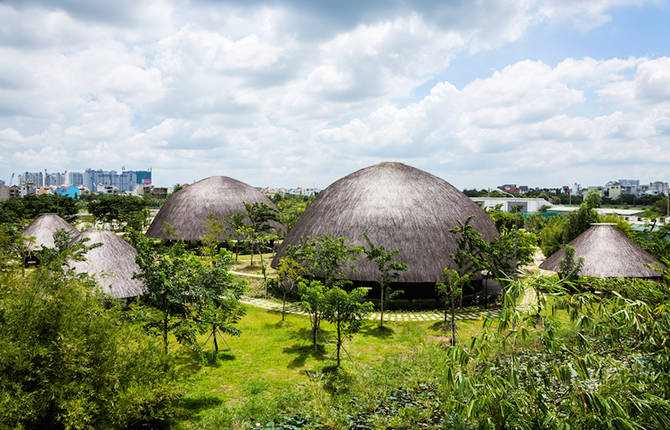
(272, 367)
(272, 359)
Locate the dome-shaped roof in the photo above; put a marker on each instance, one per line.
(43, 228)
(112, 264)
(607, 253)
(187, 211)
(399, 207)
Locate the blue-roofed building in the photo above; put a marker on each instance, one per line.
(71, 191)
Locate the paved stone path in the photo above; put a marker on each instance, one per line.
(293, 308)
(249, 275)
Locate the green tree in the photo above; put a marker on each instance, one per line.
(70, 359)
(449, 291)
(580, 220)
(289, 274)
(655, 240)
(18, 211)
(347, 310)
(660, 207)
(312, 301)
(389, 271)
(323, 257)
(500, 258)
(235, 227)
(290, 208)
(218, 308)
(551, 235)
(188, 296)
(568, 267)
(130, 212)
(260, 226)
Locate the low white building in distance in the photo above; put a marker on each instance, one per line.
(507, 203)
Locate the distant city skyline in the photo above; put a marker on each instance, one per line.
(290, 92)
(69, 174)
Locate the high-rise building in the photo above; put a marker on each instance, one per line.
(31, 178)
(127, 180)
(54, 179)
(75, 178)
(143, 177)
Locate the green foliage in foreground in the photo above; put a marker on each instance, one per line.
(69, 360)
(589, 361)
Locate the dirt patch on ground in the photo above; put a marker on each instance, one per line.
(443, 341)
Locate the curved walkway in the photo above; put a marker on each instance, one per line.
(419, 316)
(249, 275)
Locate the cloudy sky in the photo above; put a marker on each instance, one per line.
(300, 92)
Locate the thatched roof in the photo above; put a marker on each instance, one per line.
(188, 209)
(113, 264)
(43, 229)
(399, 207)
(607, 253)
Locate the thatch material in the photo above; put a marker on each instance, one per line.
(42, 229)
(607, 253)
(112, 264)
(399, 207)
(187, 210)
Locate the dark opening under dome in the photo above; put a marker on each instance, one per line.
(187, 210)
(399, 207)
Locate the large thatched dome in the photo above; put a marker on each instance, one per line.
(43, 228)
(112, 264)
(399, 207)
(187, 211)
(607, 253)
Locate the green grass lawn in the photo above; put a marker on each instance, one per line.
(272, 366)
(271, 359)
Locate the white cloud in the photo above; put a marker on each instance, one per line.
(584, 14)
(521, 116)
(303, 90)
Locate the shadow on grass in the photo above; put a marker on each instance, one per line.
(337, 380)
(379, 332)
(190, 407)
(306, 334)
(442, 326)
(277, 325)
(193, 361)
(303, 351)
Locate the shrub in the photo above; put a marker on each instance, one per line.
(70, 360)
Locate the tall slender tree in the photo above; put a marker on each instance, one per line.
(389, 271)
(324, 257)
(289, 274)
(450, 291)
(347, 311)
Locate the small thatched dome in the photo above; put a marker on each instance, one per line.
(43, 229)
(399, 207)
(607, 253)
(187, 211)
(113, 264)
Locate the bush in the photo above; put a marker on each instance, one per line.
(70, 360)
